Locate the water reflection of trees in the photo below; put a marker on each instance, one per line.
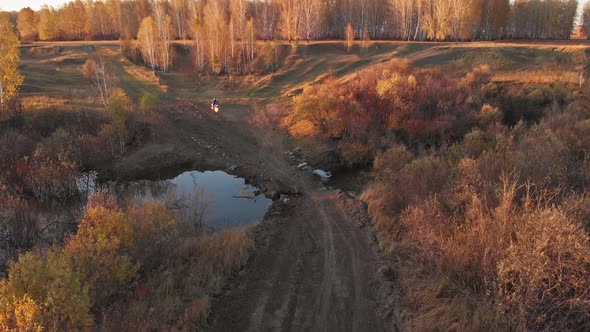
(192, 207)
(142, 190)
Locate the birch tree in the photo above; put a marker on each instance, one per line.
(266, 20)
(47, 25)
(250, 44)
(402, 14)
(349, 36)
(310, 18)
(199, 38)
(179, 14)
(289, 19)
(238, 12)
(99, 70)
(146, 37)
(163, 24)
(216, 30)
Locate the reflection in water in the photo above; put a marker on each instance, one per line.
(200, 196)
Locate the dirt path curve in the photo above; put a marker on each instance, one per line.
(312, 272)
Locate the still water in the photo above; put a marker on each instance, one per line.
(210, 194)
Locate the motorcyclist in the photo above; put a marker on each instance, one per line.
(215, 105)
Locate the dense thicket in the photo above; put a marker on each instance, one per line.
(10, 77)
(42, 155)
(482, 205)
(121, 262)
(306, 19)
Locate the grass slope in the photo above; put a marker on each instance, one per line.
(53, 71)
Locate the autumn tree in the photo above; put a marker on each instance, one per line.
(47, 25)
(289, 19)
(586, 18)
(179, 10)
(250, 37)
(120, 107)
(349, 36)
(266, 19)
(165, 30)
(101, 20)
(404, 14)
(217, 32)
(27, 27)
(102, 250)
(147, 40)
(495, 14)
(199, 43)
(99, 70)
(537, 19)
(44, 292)
(10, 77)
(310, 18)
(72, 19)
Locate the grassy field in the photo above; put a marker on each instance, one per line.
(53, 71)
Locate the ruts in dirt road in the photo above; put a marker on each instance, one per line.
(311, 271)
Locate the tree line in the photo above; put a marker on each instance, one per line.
(456, 20)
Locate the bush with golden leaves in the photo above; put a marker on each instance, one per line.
(102, 250)
(44, 292)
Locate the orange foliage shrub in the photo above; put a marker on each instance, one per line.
(102, 250)
(44, 292)
(417, 106)
(491, 227)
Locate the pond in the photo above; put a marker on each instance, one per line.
(219, 200)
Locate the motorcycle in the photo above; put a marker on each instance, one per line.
(215, 107)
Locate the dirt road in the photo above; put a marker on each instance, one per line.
(312, 272)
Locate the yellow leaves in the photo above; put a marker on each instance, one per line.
(101, 250)
(48, 24)
(26, 24)
(54, 290)
(387, 86)
(395, 84)
(10, 77)
(412, 81)
(21, 314)
(44, 292)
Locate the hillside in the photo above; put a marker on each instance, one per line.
(53, 71)
(449, 161)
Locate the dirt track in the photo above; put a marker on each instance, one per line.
(312, 271)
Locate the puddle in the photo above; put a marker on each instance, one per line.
(223, 200)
